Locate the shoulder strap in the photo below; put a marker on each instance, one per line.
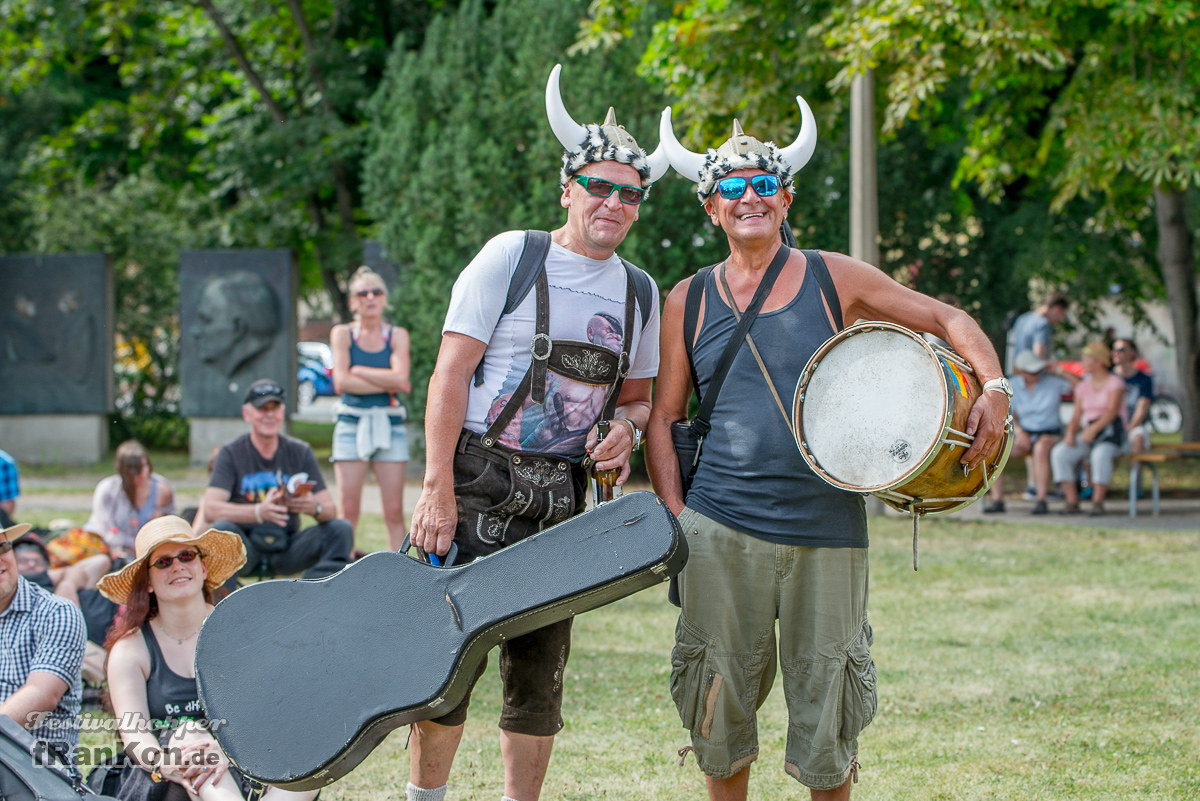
(691, 315)
(825, 281)
(533, 256)
(529, 266)
(760, 295)
(643, 289)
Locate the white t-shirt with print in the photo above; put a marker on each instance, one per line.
(587, 304)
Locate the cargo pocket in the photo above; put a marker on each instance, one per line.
(859, 696)
(695, 686)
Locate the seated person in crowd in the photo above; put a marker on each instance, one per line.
(167, 591)
(1037, 392)
(77, 584)
(1096, 431)
(1139, 393)
(123, 503)
(41, 651)
(248, 494)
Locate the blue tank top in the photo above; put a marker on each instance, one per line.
(168, 695)
(378, 358)
(751, 475)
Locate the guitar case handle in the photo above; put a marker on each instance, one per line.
(430, 558)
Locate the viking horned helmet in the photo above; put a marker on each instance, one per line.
(740, 152)
(585, 144)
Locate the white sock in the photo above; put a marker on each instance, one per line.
(506, 798)
(414, 793)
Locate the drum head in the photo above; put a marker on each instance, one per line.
(873, 409)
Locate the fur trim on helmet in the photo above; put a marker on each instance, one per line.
(717, 166)
(597, 146)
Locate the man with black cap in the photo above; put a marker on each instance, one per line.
(260, 485)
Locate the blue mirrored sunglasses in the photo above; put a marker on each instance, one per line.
(733, 188)
(631, 195)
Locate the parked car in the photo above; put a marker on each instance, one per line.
(314, 371)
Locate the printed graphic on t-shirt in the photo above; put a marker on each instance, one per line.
(561, 424)
(255, 486)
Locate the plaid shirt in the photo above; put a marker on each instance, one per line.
(43, 632)
(10, 487)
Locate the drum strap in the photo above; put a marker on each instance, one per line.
(737, 315)
(700, 423)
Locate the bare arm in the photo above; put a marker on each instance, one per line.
(361, 380)
(435, 515)
(866, 293)
(1140, 411)
(35, 698)
(672, 391)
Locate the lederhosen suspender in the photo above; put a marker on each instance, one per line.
(581, 361)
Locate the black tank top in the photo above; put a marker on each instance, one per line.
(168, 695)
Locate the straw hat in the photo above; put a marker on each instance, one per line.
(12, 532)
(224, 554)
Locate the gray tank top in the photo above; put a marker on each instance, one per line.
(751, 476)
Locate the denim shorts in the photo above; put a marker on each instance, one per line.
(734, 588)
(345, 441)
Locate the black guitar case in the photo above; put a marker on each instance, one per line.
(303, 679)
(30, 772)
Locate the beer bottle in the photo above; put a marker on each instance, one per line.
(606, 480)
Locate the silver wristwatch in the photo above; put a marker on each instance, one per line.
(998, 385)
(637, 434)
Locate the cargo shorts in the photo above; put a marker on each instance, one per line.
(733, 589)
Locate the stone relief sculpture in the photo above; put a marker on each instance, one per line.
(237, 318)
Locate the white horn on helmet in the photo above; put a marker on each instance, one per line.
(685, 162)
(659, 163)
(797, 154)
(569, 133)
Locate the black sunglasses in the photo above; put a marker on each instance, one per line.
(733, 188)
(376, 291)
(598, 187)
(163, 562)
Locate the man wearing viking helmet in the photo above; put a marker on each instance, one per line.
(513, 404)
(770, 542)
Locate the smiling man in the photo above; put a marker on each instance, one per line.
(545, 376)
(42, 640)
(255, 491)
(769, 542)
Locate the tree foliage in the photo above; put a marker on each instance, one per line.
(1065, 123)
(461, 150)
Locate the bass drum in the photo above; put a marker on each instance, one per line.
(879, 410)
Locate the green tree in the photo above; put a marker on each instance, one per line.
(460, 151)
(1073, 126)
(1094, 98)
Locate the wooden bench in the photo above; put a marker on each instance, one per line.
(1152, 459)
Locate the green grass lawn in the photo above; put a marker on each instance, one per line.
(1039, 662)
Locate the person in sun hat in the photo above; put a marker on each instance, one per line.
(167, 591)
(42, 637)
(544, 379)
(263, 481)
(770, 543)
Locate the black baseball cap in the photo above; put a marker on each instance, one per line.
(262, 392)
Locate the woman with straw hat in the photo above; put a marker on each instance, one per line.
(167, 592)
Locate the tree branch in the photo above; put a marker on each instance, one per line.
(239, 55)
